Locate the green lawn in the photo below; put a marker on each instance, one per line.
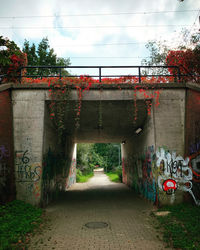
(83, 178)
(181, 228)
(113, 176)
(17, 220)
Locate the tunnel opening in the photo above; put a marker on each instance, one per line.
(110, 126)
(95, 157)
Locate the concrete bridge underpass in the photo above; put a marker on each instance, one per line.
(159, 127)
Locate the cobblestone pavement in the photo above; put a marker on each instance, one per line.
(99, 200)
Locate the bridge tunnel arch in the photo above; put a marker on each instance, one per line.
(35, 134)
(108, 121)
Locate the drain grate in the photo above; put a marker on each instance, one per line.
(96, 225)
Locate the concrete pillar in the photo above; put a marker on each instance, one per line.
(150, 156)
(28, 124)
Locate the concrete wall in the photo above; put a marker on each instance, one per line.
(59, 166)
(28, 119)
(150, 158)
(51, 159)
(7, 176)
(42, 167)
(138, 155)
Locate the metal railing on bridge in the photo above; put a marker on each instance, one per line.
(140, 72)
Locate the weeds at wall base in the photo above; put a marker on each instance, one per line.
(181, 227)
(18, 222)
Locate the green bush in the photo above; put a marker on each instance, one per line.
(119, 172)
(115, 175)
(82, 177)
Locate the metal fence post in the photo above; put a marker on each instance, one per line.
(139, 73)
(60, 73)
(99, 74)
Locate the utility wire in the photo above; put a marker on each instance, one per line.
(190, 32)
(101, 14)
(108, 57)
(100, 44)
(100, 27)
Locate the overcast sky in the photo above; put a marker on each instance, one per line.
(98, 32)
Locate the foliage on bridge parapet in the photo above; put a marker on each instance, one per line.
(188, 62)
(11, 60)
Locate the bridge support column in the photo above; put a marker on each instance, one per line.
(154, 157)
(28, 124)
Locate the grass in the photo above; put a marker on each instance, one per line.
(83, 178)
(181, 227)
(17, 221)
(113, 176)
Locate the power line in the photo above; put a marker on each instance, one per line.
(102, 14)
(100, 44)
(100, 27)
(109, 57)
(186, 37)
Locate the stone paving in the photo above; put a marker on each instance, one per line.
(99, 200)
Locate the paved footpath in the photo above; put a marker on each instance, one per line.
(99, 200)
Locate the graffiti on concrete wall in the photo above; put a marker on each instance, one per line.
(124, 170)
(194, 148)
(72, 174)
(138, 172)
(26, 172)
(148, 180)
(174, 173)
(4, 152)
(4, 170)
(163, 171)
(195, 166)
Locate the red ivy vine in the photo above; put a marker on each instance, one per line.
(59, 91)
(11, 60)
(188, 62)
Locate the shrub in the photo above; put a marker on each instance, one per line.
(11, 60)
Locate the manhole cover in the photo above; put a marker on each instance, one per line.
(96, 224)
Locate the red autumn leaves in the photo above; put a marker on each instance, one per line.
(188, 62)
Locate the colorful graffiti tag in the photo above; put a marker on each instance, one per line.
(195, 166)
(72, 174)
(148, 182)
(174, 173)
(138, 172)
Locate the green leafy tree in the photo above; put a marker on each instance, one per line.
(31, 56)
(43, 55)
(105, 155)
(110, 154)
(158, 53)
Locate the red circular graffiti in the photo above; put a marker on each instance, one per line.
(169, 185)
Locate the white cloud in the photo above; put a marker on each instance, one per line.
(72, 42)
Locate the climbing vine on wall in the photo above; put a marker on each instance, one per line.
(60, 94)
